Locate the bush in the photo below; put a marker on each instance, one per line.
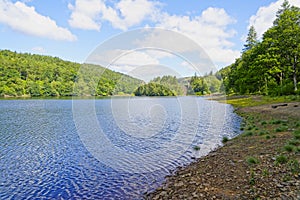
(196, 148)
(225, 139)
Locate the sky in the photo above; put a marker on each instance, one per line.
(78, 30)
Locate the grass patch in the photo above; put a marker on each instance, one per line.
(268, 137)
(294, 166)
(289, 148)
(275, 121)
(252, 160)
(294, 142)
(296, 134)
(281, 159)
(263, 123)
(248, 133)
(281, 129)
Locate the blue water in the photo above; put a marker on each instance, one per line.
(116, 148)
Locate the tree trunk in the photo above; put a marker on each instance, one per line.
(295, 73)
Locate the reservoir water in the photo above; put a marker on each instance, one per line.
(113, 148)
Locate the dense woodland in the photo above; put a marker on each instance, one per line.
(161, 86)
(270, 66)
(36, 75)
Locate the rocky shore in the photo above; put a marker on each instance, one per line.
(261, 163)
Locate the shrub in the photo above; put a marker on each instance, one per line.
(225, 139)
(196, 148)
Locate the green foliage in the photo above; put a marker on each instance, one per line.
(252, 160)
(296, 134)
(281, 159)
(170, 82)
(281, 129)
(207, 84)
(271, 66)
(36, 75)
(196, 148)
(289, 148)
(153, 89)
(225, 139)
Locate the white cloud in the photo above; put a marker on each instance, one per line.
(264, 17)
(85, 14)
(89, 14)
(119, 57)
(209, 30)
(25, 19)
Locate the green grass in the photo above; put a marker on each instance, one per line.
(281, 159)
(259, 100)
(281, 129)
(289, 148)
(296, 134)
(252, 160)
(294, 142)
(248, 133)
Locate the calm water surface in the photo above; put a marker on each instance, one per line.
(45, 152)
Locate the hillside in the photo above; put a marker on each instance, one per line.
(23, 74)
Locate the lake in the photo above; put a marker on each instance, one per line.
(112, 148)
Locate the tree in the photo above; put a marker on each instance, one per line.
(251, 40)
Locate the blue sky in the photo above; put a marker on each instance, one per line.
(73, 29)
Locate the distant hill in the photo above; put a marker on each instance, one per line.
(23, 74)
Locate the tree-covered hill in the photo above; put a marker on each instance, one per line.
(270, 66)
(23, 74)
(153, 89)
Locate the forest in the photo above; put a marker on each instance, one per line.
(269, 66)
(27, 75)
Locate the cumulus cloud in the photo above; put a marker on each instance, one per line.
(89, 14)
(25, 19)
(209, 30)
(265, 16)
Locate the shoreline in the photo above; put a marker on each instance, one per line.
(261, 163)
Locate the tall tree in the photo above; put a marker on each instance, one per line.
(251, 40)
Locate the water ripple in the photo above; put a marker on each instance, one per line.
(42, 156)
